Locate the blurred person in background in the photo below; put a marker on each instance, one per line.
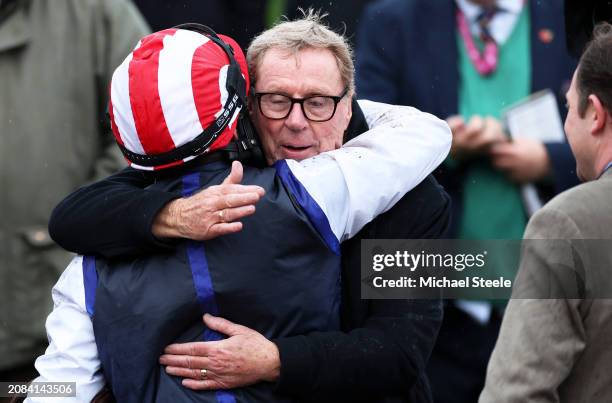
(56, 57)
(343, 15)
(381, 350)
(465, 60)
(553, 349)
(242, 20)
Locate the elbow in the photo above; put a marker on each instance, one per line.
(55, 229)
(446, 138)
(441, 138)
(435, 133)
(58, 222)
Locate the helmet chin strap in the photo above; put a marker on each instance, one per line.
(246, 146)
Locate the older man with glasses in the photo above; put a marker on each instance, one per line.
(384, 346)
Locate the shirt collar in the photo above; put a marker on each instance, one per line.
(472, 11)
(606, 169)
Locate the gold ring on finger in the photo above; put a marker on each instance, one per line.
(203, 373)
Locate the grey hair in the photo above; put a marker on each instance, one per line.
(307, 32)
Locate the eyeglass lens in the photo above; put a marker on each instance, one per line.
(278, 106)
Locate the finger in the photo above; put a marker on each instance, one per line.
(503, 163)
(224, 228)
(485, 142)
(233, 214)
(227, 189)
(208, 384)
(455, 123)
(186, 373)
(472, 134)
(224, 326)
(236, 200)
(198, 348)
(460, 138)
(185, 361)
(235, 175)
(475, 124)
(500, 149)
(494, 128)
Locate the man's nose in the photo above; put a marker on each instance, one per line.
(296, 120)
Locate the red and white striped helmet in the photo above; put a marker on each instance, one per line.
(168, 92)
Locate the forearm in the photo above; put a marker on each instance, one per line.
(112, 217)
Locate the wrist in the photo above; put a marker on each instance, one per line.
(166, 222)
(272, 372)
(546, 171)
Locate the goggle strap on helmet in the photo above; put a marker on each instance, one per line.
(193, 148)
(246, 148)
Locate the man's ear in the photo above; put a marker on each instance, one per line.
(349, 110)
(600, 115)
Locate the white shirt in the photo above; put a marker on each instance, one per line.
(503, 22)
(401, 148)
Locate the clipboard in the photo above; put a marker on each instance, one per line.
(537, 117)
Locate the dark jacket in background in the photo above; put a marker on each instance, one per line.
(241, 20)
(343, 15)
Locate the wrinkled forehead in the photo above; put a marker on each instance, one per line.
(311, 69)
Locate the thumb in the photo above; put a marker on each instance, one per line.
(223, 325)
(235, 176)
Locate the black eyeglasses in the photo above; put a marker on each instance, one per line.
(317, 108)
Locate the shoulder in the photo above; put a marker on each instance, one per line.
(583, 199)
(569, 214)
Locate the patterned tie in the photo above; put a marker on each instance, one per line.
(483, 20)
(485, 60)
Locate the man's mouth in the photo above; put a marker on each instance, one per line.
(295, 148)
(297, 152)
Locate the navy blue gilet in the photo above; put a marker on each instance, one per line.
(280, 275)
